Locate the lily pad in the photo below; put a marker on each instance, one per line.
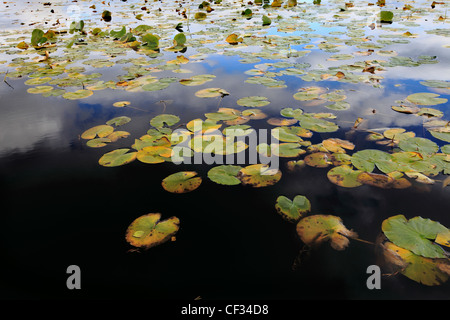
(101, 131)
(118, 121)
(117, 157)
(344, 176)
(423, 270)
(225, 174)
(426, 99)
(317, 229)
(211, 93)
(417, 144)
(148, 231)
(293, 210)
(416, 234)
(164, 120)
(253, 101)
(79, 94)
(259, 175)
(182, 182)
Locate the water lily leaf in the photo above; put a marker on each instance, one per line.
(253, 101)
(151, 41)
(98, 142)
(386, 16)
(121, 104)
(164, 120)
(415, 234)
(266, 20)
(339, 105)
(79, 94)
(156, 86)
(233, 39)
(225, 175)
(118, 121)
(211, 93)
(197, 80)
(117, 157)
(259, 175)
(344, 176)
(337, 145)
(444, 136)
(254, 114)
(417, 268)
(317, 125)
(198, 125)
(148, 231)
(443, 238)
(40, 89)
(154, 154)
(182, 182)
(293, 210)
(317, 229)
(101, 131)
(426, 99)
(116, 135)
(430, 112)
(417, 144)
(200, 16)
(367, 159)
(318, 159)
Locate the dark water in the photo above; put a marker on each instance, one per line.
(60, 208)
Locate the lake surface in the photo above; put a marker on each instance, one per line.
(62, 208)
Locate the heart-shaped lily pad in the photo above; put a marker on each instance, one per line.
(293, 210)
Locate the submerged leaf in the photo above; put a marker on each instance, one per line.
(316, 229)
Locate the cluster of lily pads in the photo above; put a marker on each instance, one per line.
(414, 247)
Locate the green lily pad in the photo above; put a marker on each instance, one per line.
(444, 136)
(367, 159)
(164, 120)
(117, 157)
(317, 125)
(148, 231)
(118, 121)
(253, 101)
(293, 210)
(344, 176)
(426, 99)
(418, 144)
(98, 142)
(225, 174)
(182, 182)
(415, 234)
